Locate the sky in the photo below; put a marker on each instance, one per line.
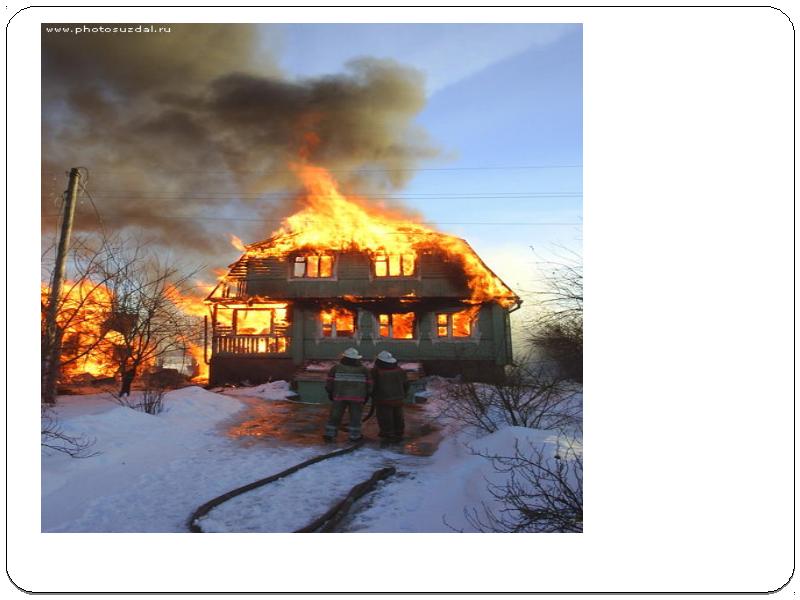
(497, 95)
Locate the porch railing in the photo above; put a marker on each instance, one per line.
(250, 344)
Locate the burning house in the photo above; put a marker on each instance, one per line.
(342, 272)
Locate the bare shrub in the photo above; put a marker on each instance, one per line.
(54, 438)
(528, 397)
(151, 400)
(542, 493)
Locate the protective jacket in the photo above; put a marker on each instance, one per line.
(348, 382)
(390, 384)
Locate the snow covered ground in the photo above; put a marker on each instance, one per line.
(152, 472)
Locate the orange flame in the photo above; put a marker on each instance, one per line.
(330, 220)
(237, 243)
(91, 330)
(86, 317)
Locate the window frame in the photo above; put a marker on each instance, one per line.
(390, 326)
(334, 335)
(386, 261)
(449, 326)
(235, 321)
(303, 259)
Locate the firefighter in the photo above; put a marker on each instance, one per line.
(388, 394)
(348, 386)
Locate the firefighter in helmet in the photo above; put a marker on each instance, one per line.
(388, 394)
(348, 385)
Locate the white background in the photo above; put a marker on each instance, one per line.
(689, 420)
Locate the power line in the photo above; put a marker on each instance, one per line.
(268, 171)
(128, 192)
(278, 221)
(371, 197)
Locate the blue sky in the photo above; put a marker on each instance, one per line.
(499, 95)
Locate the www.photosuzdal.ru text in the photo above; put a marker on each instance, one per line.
(80, 29)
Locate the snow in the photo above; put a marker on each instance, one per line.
(327, 365)
(274, 390)
(152, 471)
(320, 366)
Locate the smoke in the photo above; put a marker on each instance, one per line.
(181, 131)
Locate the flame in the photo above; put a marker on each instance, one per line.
(399, 326)
(86, 318)
(91, 329)
(330, 220)
(193, 306)
(237, 243)
(338, 322)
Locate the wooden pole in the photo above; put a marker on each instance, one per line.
(51, 344)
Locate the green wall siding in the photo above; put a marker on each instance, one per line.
(427, 346)
(435, 278)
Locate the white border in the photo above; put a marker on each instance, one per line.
(689, 419)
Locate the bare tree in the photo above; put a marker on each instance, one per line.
(558, 331)
(118, 313)
(146, 316)
(83, 310)
(528, 397)
(543, 492)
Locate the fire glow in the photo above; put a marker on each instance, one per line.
(329, 221)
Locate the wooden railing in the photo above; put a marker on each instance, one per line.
(250, 344)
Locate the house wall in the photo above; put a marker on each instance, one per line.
(487, 344)
(435, 278)
(438, 285)
(481, 356)
(253, 369)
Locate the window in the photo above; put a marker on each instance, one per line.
(260, 321)
(313, 266)
(399, 326)
(457, 324)
(394, 265)
(338, 323)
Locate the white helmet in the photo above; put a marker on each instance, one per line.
(386, 357)
(351, 353)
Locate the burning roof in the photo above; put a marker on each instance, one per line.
(329, 221)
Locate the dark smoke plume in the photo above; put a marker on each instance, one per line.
(180, 130)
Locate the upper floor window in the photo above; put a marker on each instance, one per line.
(338, 322)
(313, 266)
(457, 324)
(399, 326)
(394, 265)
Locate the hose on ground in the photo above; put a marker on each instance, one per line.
(206, 508)
(328, 522)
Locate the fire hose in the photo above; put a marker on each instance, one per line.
(326, 522)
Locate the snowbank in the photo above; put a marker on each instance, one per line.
(197, 408)
(274, 390)
(130, 445)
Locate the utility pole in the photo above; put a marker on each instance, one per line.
(51, 344)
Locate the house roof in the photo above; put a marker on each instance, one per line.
(267, 275)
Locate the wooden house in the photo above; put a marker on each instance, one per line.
(276, 313)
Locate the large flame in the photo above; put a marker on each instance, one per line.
(85, 316)
(330, 220)
(90, 340)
